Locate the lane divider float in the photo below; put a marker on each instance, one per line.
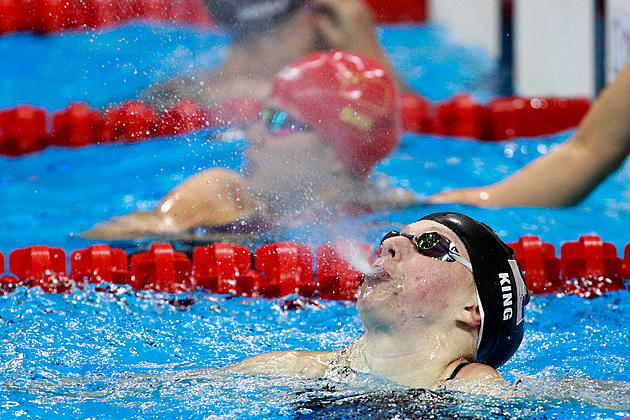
(26, 128)
(502, 118)
(50, 16)
(587, 267)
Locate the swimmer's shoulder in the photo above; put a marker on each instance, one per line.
(213, 184)
(476, 378)
(478, 371)
(286, 363)
(222, 174)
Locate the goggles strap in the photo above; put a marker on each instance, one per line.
(460, 259)
(483, 317)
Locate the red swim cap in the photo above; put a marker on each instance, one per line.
(351, 100)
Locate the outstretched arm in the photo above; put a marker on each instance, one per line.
(286, 363)
(569, 173)
(213, 197)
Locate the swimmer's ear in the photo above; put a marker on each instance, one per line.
(470, 316)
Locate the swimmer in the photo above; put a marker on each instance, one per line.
(570, 172)
(267, 35)
(445, 302)
(329, 119)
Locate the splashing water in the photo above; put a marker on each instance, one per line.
(121, 353)
(358, 258)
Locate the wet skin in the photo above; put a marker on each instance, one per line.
(287, 174)
(421, 321)
(290, 168)
(408, 285)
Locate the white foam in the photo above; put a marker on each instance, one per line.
(355, 255)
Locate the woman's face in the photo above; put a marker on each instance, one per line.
(411, 286)
(285, 154)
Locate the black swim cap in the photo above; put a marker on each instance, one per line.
(501, 289)
(245, 17)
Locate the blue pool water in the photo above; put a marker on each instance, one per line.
(110, 352)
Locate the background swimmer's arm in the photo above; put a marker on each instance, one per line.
(569, 173)
(349, 25)
(286, 363)
(164, 94)
(390, 198)
(213, 197)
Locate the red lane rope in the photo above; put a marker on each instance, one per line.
(49, 16)
(26, 128)
(501, 119)
(587, 267)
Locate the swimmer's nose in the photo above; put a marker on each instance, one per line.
(390, 250)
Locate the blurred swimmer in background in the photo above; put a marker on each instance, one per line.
(445, 301)
(329, 118)
(567, 174)
(267, 35)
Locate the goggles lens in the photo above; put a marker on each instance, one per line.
(279, 123)
(434, 245)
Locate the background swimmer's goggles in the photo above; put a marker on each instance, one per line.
(279, 123)
(434, 245)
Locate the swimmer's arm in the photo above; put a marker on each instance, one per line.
(285, 363)
(213, 197)
(569, 173)
(164, 94)
(390, 199)
(350, 25)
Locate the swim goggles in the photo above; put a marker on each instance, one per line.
(434, 245)
(279, 123)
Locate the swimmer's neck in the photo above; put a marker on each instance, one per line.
(420, 362)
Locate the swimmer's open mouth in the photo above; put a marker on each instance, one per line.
(378, 276)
